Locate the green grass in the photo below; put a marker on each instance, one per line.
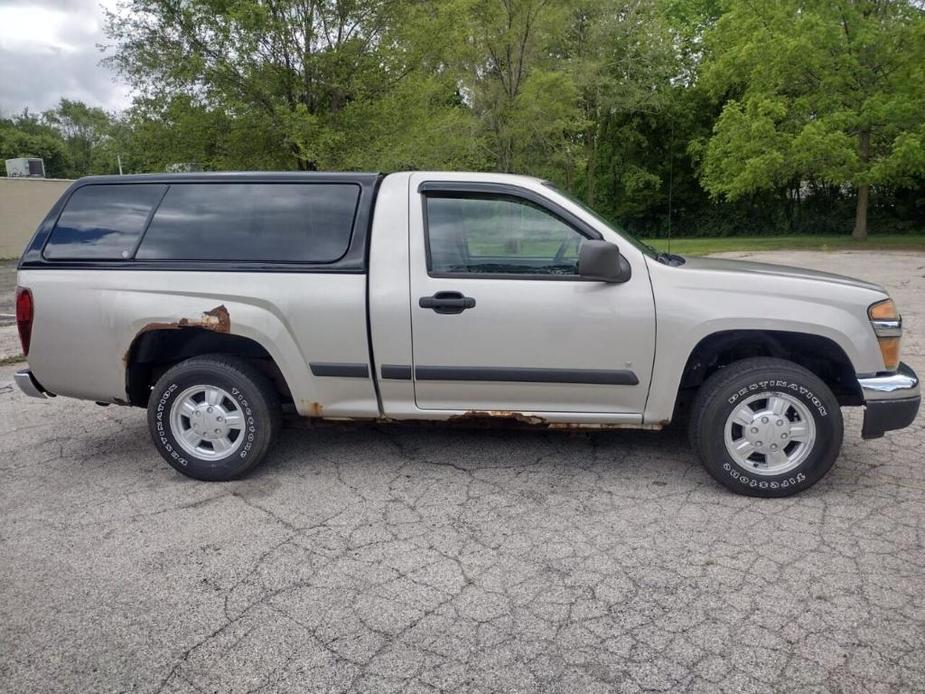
(789, 243)
(16, 359)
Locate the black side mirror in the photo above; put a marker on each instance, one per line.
(601, 260)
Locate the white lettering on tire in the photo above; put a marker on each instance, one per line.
(161, 428)
(776, 383)
(764, 484)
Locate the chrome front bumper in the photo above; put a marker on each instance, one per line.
(27, 384)
(902, 384)
(892, 401)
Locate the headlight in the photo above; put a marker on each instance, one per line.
(888, 327)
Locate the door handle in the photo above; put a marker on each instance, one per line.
(447, 302)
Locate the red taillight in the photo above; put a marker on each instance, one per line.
(24, 313)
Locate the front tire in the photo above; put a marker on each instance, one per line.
(766, 427)
(213, 417)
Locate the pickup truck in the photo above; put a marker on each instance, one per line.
(221, 301)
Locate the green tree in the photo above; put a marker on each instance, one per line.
(26, 135)
(86, 131)
(825, 91)
(642, 114)
(624, 58)
(301, 74)
(157, 133)
(499, 47)
(542, 77)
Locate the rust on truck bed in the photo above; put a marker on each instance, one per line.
(218, 320)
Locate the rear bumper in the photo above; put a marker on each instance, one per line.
(892, 401)
(27, 384)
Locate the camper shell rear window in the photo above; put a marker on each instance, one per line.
(242, 222)
(103, 222)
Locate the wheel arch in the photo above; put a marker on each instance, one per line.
(819, 354)
(153, 351)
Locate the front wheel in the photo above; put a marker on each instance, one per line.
(766, 427)
(213, 417)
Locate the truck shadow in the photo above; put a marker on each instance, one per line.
(647, 456)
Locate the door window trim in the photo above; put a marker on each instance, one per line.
(464, 189)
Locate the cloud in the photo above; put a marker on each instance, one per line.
(49, 50)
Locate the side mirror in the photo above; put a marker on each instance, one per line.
(601, 260)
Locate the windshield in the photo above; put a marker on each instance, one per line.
(644, 247)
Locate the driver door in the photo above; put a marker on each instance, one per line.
(501, 319)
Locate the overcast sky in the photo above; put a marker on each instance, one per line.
(48, 49)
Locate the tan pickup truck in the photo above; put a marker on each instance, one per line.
(221, 301)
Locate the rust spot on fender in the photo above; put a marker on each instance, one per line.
(315, 409)
(217, 320)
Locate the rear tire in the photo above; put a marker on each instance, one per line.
(766, 427)
(213, 417)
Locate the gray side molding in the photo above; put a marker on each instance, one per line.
(339, 370)
(396, 373)
(621, 377)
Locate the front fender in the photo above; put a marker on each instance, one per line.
(693, 306)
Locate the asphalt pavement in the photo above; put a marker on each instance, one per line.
(7, 292)
(423, 559)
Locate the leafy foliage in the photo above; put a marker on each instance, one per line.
(703, 117)
(823, 91)
(73, 139)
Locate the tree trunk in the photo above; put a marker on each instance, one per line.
(860, 215)
(591, 169)
(505, 156)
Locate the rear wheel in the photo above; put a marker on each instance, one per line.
(213, 417)
(766, 427)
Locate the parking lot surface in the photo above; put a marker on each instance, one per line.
(7, 292)
(423, 559)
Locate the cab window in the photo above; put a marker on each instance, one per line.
(490, 234)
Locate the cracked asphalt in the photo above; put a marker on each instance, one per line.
(422, 559)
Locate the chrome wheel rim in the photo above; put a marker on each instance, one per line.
(207, 422)
(770, 433)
